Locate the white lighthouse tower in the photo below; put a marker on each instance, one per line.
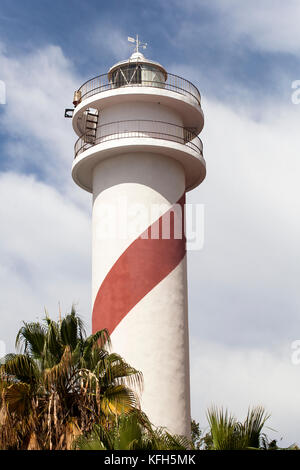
(138, 153)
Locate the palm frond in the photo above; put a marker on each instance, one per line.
(60, 374)
(17, 397)
(130, 433)
(100, 339)
(113, 369)
(54, 347)
(253, 425)
(20, 367)
(71, 329)
(32, 338)
(225, 430)
(98, 439)
(117, 400)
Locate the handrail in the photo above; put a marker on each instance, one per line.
(173, 82)
(138, 129)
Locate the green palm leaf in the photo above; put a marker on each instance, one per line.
(71, 330)
(32, 337)
(117, 400)
(225, 430)
(253, 425)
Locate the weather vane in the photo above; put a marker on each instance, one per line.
(137, 43)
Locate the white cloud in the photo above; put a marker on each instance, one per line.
(246, 273)
(40, 85)
(265, 25)
(271, 25)
(237, 379)
(45, 226)
(44, 251)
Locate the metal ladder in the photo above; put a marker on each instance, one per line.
(89, 124)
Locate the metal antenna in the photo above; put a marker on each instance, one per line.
(137, 43)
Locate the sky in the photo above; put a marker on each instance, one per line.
(244, 284)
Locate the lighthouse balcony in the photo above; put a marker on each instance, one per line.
(137, 85)
(136, 77)
(137, 129)
(160, 139)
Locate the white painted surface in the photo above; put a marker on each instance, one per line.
(140, 111)
(153, 337)
(192, 161)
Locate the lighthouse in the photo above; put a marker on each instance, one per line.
(138, 153)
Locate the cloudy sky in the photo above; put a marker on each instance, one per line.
(244, 284)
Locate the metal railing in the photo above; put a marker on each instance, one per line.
(138, 129)
(173, 83)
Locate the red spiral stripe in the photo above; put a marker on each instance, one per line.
(145, 263)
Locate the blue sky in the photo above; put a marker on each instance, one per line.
(187, 33)
(243, 286)
(196, 36)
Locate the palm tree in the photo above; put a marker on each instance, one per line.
(131, 432)
(61, 383)
(229, 434)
